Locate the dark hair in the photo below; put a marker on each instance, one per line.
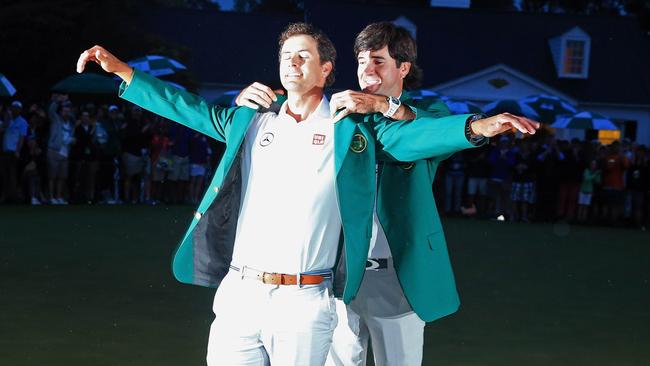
(326, 50)
(401, 47)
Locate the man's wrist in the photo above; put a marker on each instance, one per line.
(381, 104)
(125, 73)
(473, 131)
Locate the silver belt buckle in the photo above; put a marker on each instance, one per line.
(372, 264)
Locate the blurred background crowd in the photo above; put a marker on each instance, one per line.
(546, 179)
(59, 153)
(81, 145)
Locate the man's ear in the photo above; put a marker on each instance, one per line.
(326, 68)
(404, 69)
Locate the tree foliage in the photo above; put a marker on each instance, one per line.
(638, 8)
(42, 39)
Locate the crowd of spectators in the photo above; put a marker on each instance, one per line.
(111, 154)
(544, 179)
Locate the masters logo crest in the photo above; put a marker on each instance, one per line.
(359, 143)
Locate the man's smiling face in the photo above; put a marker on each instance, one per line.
(378, 72)
(300, 65)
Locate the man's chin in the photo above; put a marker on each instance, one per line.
(291, 85)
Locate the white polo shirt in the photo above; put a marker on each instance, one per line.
(289, 220)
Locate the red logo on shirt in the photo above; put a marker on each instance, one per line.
(318, 139)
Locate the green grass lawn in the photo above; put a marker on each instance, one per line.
(93, 286)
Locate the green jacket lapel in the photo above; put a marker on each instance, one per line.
(343, 132)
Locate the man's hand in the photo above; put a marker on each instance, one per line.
(107, 61)
(351, 101)
(503, 122)
(256, 95)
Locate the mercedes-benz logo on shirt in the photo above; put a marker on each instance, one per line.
(266, 139)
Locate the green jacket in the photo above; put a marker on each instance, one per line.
(205, 252)
(407, 211)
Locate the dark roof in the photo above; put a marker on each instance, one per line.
(452, 43)
(226, 48)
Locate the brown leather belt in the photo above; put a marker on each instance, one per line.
(280, 278)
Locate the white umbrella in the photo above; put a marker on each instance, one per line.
(457, 106)
(549, 107)
(585, 121)
(510, 106)
(157, 65)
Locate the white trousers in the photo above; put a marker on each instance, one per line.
(379, 313)
(259, 324)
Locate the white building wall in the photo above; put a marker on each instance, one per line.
(479, 89)
(496, 84)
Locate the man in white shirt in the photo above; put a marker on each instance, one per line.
(289, 222)
(274, 299)
(381, 312)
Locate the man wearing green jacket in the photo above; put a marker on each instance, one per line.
(268, 230)
(408, 278)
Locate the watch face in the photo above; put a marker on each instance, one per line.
(393, 105)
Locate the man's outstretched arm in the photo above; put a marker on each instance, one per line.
(159, 97)
(417, 134)
(107, 61)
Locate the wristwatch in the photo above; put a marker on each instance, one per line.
(393, 106)
(475, 140)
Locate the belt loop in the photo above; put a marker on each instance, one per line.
(299, 282)
(243, 268)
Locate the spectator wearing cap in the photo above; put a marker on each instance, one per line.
(12, 142)
(58, 147)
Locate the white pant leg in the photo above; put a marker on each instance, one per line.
(397, 341)
(300, 324)
(396, 332)
(350, 339)
(235, 331)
